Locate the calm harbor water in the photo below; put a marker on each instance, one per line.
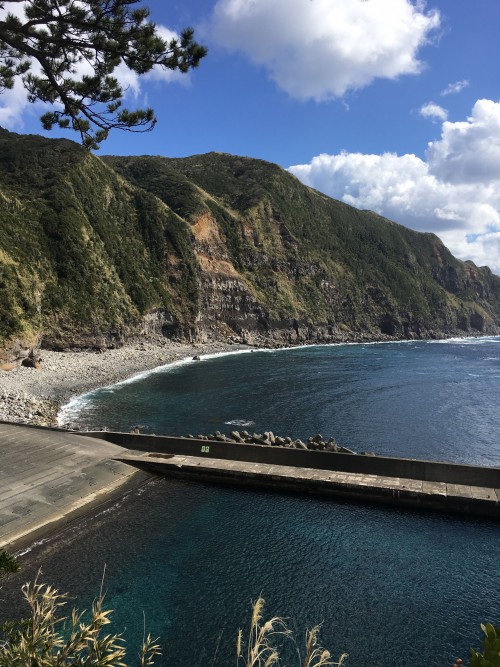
(393, 588)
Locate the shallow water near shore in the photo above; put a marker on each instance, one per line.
(393, 588)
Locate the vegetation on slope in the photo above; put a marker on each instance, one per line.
(305, 255)
(83, 253)
(94, 251)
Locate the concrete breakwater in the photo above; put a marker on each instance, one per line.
(450, 487)
(47, 476)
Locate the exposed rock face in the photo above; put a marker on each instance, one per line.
(96, 251)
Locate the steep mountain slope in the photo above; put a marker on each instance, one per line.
(277, 256)
(93, 251)
(84, 256)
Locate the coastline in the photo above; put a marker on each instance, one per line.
(35, 396)
(66, 375)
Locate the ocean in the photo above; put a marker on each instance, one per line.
(392, 588)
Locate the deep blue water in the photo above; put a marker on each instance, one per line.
(393, 588)
(433, 400)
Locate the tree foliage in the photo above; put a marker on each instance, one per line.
(66, 52)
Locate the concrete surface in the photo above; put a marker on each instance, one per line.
(46, 476)
(461, 498)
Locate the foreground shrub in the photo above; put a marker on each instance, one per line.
(260, 648)
(491, 648)
(47, 639)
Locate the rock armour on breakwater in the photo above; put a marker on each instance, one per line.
(269, 439)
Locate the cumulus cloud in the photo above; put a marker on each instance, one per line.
(454, 192)
(433, 111)
(457, 87)
(469, 151)
(13, 104)
(320, 49)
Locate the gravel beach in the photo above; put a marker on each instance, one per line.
(32, 396)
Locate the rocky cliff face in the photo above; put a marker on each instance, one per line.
(281, 263)
(95, 251)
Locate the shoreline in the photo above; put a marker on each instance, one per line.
(67, 375)
(36, 396)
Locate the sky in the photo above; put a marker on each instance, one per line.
(387, 105)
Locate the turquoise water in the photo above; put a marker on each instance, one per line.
(392, 588)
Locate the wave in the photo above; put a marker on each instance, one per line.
(479, 340)
(240, 422)
(69, 411)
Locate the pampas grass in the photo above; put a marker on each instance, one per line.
(47, 639)
(261, 644)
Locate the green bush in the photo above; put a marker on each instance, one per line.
(490, 657)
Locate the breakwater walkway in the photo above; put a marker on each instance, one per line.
(440, 496)
(448, 487)
(47, 476)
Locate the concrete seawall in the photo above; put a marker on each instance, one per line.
(50, 476)
(449, 487)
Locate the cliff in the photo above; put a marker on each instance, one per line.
(95, 251)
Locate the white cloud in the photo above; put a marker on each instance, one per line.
(320, 49)
(457, 87)
(13, 104)
(433, 111)
(454, 193)
(469, 151)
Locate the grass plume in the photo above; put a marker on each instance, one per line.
(261, 644)
(48, 639)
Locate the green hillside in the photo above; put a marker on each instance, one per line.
(94, 251)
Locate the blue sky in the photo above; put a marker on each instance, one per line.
(389, 105)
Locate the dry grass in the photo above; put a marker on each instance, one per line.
(47, 639)
(260, 648)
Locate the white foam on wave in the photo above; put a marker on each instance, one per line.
(229, 353)
(27, 550)
(479, 340)
(69, 411)
(240, 422)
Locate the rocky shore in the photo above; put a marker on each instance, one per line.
(34, 393)
(31, 395)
